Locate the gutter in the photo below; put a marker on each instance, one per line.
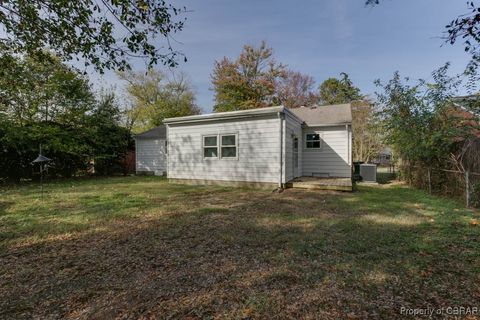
(349, 144)
(329, 124)
(225, 115)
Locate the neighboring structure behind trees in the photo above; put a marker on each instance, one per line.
(150, 152)
(384, 157)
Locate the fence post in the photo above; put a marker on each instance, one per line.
(467, 188)
(429, 180)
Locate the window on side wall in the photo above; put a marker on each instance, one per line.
(228, 146)
(313, 141)
(210, 147)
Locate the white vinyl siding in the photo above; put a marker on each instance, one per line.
(257, 150)
(150, 156)
(293, 128)
(333, 157)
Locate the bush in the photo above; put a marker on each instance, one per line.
(475, 195)
(385, 177)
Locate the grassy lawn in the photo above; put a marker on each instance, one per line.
(140, 247)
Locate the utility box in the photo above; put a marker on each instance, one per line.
(368, 172)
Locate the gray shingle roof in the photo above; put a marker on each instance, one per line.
(159, 132)
(325, 115)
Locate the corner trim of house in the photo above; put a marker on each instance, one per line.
(280, 179)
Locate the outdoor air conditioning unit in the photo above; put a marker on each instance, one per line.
(368, 172)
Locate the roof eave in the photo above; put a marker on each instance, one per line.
(293, 115)
(225, 115)
(328, 124)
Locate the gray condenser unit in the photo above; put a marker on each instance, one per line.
(368, 172)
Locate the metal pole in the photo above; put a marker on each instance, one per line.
(41, 179)
(429, 180)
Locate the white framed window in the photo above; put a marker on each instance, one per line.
(313, 140)
(210, 146)
(229, 146)
(223, 146)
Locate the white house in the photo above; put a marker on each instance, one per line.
(262, 147)
(150, 151)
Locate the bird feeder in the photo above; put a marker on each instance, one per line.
(42, 161)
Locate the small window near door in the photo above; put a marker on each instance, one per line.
(229, 146)
(210, 147)
(313, 141)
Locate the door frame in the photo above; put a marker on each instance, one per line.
(295, 154)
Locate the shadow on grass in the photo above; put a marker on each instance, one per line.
(74, 207)
(256, 254)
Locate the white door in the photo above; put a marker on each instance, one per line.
(295, 156)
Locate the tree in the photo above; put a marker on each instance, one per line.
(248, 82)
(106, 33)
(338, 91)
(40, 88)
(44, 102)
(295, 90)
(467, 27)
(109, 139)
(414, 118)
(154, 97)
(367, 131)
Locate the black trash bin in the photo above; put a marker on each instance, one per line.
(356, 170)
(356, 166)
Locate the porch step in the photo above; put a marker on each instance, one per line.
(314, 183)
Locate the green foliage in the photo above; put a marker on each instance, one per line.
(416, 119)
(475, 195)
(385, 177)
(41, 88)
(248, 82)
(154, 97)
(53, 105)
(338, 91)
(110, 141)
(106, 34)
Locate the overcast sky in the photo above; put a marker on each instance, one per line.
(319, 38)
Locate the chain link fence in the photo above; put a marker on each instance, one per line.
(464, 186)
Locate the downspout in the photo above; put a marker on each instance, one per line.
(349, 156)
(167, 151)
(280, 178)
(350, 147)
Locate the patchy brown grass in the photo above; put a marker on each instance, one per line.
(143, 248)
